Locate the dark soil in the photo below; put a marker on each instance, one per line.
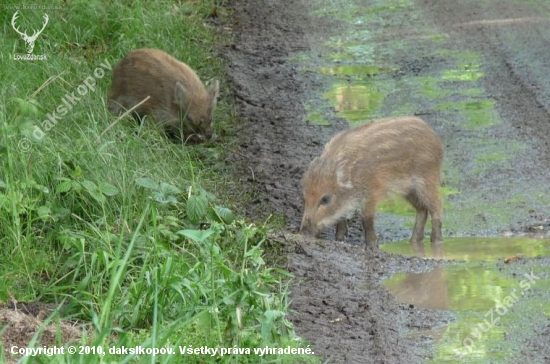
(277, 143)
(339, 305)
(22, 320)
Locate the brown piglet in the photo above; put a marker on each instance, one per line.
(362, 165)
(179, 103)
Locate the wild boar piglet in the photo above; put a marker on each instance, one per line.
(362, 165)
(178, 101)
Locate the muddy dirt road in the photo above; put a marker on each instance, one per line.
(478, 73)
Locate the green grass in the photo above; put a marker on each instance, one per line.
(120, 225)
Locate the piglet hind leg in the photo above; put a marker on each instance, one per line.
(421, 217)
(418, 231)
(435, 207)
(436, 237)
(431, 199)
(417, 238)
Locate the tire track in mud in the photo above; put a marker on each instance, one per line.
(339, 305)
(513, 38)
(510, 38)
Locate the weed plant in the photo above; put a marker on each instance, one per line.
(117, 226)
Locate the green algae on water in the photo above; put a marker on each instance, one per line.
(476, 113)
(479, 249)
(355, 102)
(451, 288)
(355, 70)
(466, 72)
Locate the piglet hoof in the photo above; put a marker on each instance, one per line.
(418, 248)
(437, 250)
(372, 245)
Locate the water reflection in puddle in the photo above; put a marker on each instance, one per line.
(462, 287)
(479, 249)
(427, 290)
(477, 291)
(451, 288)
(353, 93)
(355, 102)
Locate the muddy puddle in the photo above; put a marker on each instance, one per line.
(352, 94)
(484, 289)
(480, 249)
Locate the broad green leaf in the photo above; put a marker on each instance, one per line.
(77, 172)
(207, 195)
(60, 212)
(64, 186)
(164, 199)
(44, 212)
(196, 235)
(147, 183)
(98, 196)
(169, 189)
(108, 189)
(255, 254)
(93, 190)
(34, 185)
(77, 187)
(196, 207)
(89, 186)
(221, 214)
(268, 328)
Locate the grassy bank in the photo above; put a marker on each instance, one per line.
(121, 229)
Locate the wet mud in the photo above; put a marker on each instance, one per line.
(476, 72)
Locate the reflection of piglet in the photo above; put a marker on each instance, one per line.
(360, 166)
(178, 101)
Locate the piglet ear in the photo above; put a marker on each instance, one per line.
(181, 95)
(343, 177)
(214, 89)
(214, 92)
(312, 165)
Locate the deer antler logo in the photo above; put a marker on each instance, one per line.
(29, 40)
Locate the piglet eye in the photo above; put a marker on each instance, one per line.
(325, 200)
